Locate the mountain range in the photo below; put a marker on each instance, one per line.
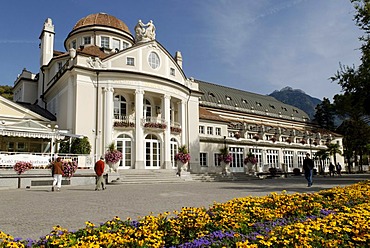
(297, 98)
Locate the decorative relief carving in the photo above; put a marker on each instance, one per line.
(95, 63)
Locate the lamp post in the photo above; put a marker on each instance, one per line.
(54, 131)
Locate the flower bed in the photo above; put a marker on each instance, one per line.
(337, 217)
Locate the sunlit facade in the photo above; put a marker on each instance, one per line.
(114, 86)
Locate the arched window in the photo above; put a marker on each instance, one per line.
(124, 145)
(120, 107)
(152, 152)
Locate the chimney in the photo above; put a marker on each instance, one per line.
(47, 42)
(178, 58)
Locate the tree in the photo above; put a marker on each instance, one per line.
(80, 146)
(6, 92)
(64, 146)
(322, 155)
(355, 82)
(325, 114)
(356, 137)
(333, 150)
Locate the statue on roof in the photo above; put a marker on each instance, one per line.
(144, 32)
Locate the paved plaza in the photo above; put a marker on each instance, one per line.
(31, 213)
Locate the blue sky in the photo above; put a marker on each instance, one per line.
(254, 45)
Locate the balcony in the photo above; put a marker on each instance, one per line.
(123, 121)
(175, 127)
(154, 123)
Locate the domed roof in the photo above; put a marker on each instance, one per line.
(101, 19)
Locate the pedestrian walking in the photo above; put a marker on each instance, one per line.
(339, 169)
(308, 168)
(99, 171)
(57, 173)
(331, 169)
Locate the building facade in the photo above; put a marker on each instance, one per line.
(114, 86)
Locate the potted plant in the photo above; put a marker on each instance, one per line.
(21, 167)
(226, 158)
(69, 168)
(249, 162)
(237, 135)
(113, 157)
(182, 158)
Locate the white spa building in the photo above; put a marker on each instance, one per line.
(114, 85)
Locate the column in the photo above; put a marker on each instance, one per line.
(167, 135)
(281, 160)
(182, 119)
(108, 117)
(139, 131)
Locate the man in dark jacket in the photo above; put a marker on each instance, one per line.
(99, 170)
(308, 165)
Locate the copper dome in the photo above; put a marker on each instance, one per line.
(101, 19)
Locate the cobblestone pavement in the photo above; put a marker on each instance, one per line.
(32, 213)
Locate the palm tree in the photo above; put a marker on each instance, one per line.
(322, 155)
(333, 149)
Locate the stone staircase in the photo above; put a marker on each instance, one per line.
(217, 177)
(169, 176)
(145, 176)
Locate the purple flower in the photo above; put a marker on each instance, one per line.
(183, 157)
(69, 168)
(113, 156)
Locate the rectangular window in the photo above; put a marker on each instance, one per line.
(203, 159)
(238, 157)
(217, 161)
(288, 159)
(87, 40)
(301, 156)
(201, 129)
(11, 147)
(104, 42)
(130, 61)
(272, 157)
(218, 131)
(257, 154)
(210, 130)
(116, 44)
(172, 71)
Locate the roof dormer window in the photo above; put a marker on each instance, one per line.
(74, 44)
(87, 40)
(116, 44)
(228, 98)
(104, 42)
